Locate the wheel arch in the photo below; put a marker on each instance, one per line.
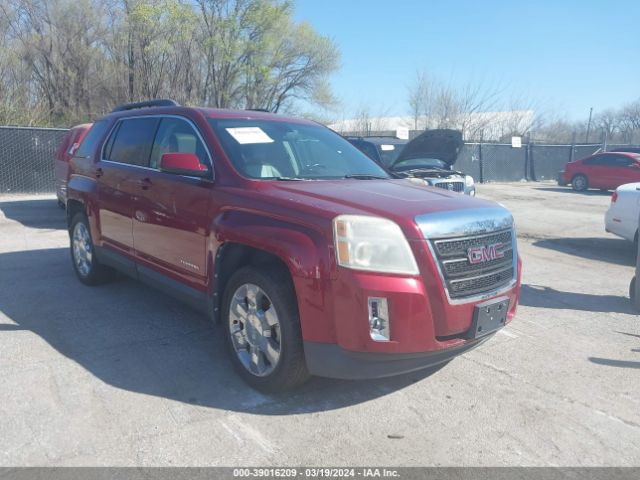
(73, 207)
(232, 256)
(248, 238)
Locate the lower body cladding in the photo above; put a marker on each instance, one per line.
(327, 360)
(387, 325)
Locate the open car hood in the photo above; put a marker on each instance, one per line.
(442, 144)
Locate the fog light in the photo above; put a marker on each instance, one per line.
(379, 327)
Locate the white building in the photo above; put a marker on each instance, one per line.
(491, 126)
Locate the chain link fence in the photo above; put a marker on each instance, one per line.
(27, 159)
(501, 162)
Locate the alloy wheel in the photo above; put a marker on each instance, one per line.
(255, 330)
(82, 249)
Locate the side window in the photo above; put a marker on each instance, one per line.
(621, 161)
(88, 145)
(177, 136)
(131, 141)
(609, 161)
(601, 160)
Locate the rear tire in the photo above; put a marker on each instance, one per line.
(262, 327)
(85, 263)
(580, 183)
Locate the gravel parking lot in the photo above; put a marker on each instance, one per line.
(123, 375)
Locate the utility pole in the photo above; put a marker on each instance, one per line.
(586, 140)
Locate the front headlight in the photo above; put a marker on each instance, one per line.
(372, 243)
(468, 180)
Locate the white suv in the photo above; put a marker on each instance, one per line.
(624, 212)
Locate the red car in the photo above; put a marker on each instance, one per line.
(68, 146)
(606, 171)
(311, 256)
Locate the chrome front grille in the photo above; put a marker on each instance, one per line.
(476, 264)
(453, 186)
(455, 247)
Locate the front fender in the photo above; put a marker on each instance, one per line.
(306, 253)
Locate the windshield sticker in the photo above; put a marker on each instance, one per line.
(247, 135)
(387, 148)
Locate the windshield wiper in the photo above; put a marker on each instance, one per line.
(286, 179)
(365, 176)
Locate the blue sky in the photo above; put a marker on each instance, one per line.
(567, 55)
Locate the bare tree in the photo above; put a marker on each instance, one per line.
(608, 122)
(435, 104)
(65, 61)
(421, 99)
(629, 122)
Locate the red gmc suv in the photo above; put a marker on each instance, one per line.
(312, 256)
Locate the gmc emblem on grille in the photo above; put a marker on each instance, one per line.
(485, 253)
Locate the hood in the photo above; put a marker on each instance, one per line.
(399, 200)
(443, 145)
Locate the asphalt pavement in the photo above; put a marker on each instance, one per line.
(124, 375)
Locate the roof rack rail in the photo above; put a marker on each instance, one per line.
(266, 110)
(163, 102)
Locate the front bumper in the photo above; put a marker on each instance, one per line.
(329, 360)
(421, 317)
(426, 327)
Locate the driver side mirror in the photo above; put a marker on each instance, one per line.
(182, 164)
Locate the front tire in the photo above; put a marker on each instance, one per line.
(87, 267)
(262, 326)
(580, 183)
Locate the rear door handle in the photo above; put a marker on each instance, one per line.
(99, 172)
(145, 183)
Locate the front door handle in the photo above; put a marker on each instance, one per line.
(145, 183)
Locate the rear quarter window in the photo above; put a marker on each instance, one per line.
(94, 135)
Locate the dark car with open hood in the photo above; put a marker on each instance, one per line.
(429, 158)
(312, 257)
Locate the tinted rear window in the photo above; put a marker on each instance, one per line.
(93, 136)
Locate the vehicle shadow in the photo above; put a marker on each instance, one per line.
(593, 193)
(39, 213)
(615, 363)
(546, 297)
(609, 362)
(137, 339)
(611, 250)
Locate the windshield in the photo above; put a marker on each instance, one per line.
(414, 163)
(264, 149)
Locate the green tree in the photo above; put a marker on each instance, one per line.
(258, 57)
